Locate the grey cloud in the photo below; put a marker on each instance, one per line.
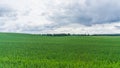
(7, 14)
(118, 27)
(93, 12)
(29, 28)
(5, 11)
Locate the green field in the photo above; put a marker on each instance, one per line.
(35, 51)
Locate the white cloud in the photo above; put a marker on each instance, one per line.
(60, 16)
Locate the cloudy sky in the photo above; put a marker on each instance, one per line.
(60, 16)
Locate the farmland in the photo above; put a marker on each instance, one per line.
(35, 51)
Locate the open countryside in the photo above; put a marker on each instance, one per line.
(36, 51)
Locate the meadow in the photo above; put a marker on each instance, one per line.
(36, 51)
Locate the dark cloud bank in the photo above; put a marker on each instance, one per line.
(92, 12)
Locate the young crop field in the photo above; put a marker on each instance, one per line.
(35, 51)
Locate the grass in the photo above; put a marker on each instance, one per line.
(35, 51)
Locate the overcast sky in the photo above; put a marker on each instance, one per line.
(60, 16)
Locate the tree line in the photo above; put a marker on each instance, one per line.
(68, 34)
